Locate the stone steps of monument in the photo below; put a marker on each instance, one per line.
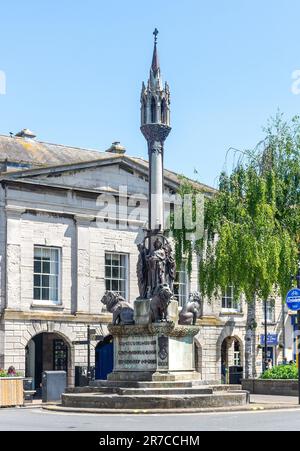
(100, 401)
(123, 391)
(87, 390)
(222, 388)
(113, 387)
(136, 384)
(164, 391)
(187, 384)
(113, 384)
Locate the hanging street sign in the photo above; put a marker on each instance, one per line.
(272, 340)
(293, 299)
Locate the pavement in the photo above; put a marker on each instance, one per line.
(265, 413)
(258, 403)
(36, 419)
(287, 401)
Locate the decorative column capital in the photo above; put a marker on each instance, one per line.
(156, 133)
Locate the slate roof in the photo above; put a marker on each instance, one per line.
(29, 155)
(37, 154)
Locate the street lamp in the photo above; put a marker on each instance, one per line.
(90, 335)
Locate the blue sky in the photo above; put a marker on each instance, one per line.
(74, 71)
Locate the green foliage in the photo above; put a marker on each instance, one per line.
(283, 372)
(9, 373)
(252, 235)
(183, 247)
(3, 373)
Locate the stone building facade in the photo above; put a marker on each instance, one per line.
(70, 222)
(61, 248)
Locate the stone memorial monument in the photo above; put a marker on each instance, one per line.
(153, 344)
(155, 347)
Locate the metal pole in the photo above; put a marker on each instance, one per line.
(266, 337)
(89, 355)
(298, 337)
(283, 333)
(298, 348)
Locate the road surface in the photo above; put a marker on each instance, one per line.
(41, 420)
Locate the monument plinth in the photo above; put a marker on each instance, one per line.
(154, 352)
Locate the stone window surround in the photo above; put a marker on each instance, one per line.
(48, 303)
(127, 269)
(182, 283)
(227, 311)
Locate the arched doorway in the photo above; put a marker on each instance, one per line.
(47, 352)
(104, 358)
(231, 361)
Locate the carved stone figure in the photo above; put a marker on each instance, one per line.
(157, 266)
(159, 304)
(170, 266)
(123, 313)
(191, 311)
(142, 271)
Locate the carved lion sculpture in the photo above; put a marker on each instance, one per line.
(159, 305)
(123, 313)
(191, 311)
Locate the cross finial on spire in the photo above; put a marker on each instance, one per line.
(155, 61)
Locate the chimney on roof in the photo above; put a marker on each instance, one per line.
(117, 148)
(26, 133)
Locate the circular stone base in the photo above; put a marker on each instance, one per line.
(141, 400)
(80, 411)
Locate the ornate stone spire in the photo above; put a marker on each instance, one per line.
(155, 98)
(155, 126)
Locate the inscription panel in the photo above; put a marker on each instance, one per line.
(135, 354)
(163, 353)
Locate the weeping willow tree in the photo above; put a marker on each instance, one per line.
(252, 235)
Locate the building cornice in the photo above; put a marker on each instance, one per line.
(210, 321)
(15, 315)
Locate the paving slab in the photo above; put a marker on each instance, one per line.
(274, 400)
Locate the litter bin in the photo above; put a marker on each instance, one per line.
(235, 375)
(81, 376)
(54, 384)
(28, 388)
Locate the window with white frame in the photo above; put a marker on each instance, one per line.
(270, 311)
(237, 354)
(181, 285)
(116, 273)
(229, 304)
(46, 274)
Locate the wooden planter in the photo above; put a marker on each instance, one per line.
(11, 392)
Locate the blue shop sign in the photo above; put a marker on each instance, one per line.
(272, 340)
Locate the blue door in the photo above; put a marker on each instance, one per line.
(104, 359)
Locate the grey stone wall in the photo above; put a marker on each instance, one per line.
(68, 220)
(271, 387)
(18, 333)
